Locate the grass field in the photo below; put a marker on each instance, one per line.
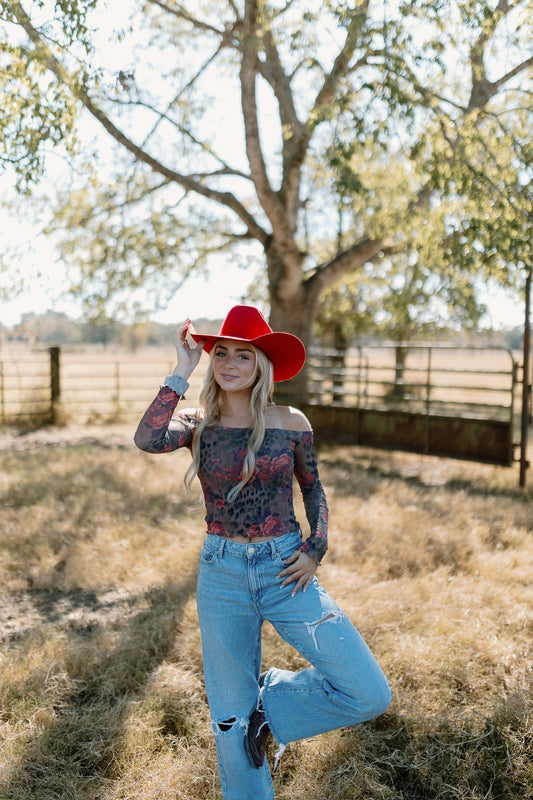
(100, 669)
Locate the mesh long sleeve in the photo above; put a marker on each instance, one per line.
(314, 497)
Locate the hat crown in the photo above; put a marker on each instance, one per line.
(244, 322)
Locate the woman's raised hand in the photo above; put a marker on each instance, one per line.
(188, 356)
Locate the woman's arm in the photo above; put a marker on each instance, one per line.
(157, 432)
(314, 497)
(303, 563)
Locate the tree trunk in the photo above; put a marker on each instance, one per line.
(296, 318)
(294, 298)
(292, 308)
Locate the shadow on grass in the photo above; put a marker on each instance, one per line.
(79, 752)
(397, 758)
(85, 478)
(53, 507)
(344, 477)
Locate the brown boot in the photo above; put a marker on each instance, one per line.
(257, 737)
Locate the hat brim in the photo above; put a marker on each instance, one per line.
(285, 351)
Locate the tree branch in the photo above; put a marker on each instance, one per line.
(341, 65)
(483, 89)
(227, 35)
(181, 13)
(513, 73)
(352, 258)
(291, 127)
(298, 145)
(61, 73)
(162, 115)
(272, 71)
(296, 135)
(269, 200)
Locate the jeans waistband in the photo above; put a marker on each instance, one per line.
(268, 549)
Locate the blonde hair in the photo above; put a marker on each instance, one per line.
(210, 411)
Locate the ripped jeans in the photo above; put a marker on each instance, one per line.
(237, 591)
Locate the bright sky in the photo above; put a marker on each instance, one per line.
(201, 298)
(210, 297)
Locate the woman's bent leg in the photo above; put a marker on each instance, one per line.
(231, 648)
(344, 686)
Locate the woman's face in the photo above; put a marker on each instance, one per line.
(234, 365)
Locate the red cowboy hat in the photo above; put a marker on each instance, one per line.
(247, 324)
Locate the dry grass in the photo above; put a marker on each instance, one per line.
(101, 677)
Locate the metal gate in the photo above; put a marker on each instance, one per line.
(432, 399)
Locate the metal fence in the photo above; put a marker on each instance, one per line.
(456, 381)
(433, 399)
(436, 379)
(437, 400)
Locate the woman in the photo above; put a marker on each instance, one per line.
(254, 565)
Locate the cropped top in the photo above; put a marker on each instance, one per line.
(264, 506)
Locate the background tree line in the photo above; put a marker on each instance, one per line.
(57, 328)
(364, 160)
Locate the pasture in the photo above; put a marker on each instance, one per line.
(101, 678)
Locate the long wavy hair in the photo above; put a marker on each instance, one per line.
(211, 407)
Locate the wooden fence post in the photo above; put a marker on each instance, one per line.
(55, 382)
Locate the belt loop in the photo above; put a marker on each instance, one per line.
(273, 548)
(221, 546)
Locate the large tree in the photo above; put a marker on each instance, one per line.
(320, 99)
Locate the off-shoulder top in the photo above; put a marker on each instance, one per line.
(264, 506)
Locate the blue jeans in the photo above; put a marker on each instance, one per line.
(237, 591)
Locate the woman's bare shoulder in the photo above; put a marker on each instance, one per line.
(287, 418)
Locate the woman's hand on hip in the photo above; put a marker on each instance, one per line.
(301, 569)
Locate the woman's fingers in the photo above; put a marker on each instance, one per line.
(188, 354)
(300, 570)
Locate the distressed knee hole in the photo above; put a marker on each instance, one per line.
(225, 725)
(332, 617)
